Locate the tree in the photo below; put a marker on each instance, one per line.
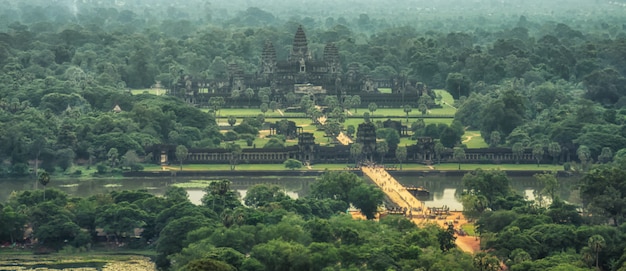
(458, 85)
(44, 179)
(273, 105)
(606, 155)
(367, 198)
(355, 101)
(423, 108)
(459, 155)
(261, 195)
(350, 130)
(366, 117)
(490, 184)
(121, 218)
(382, 148)
(131, 160)
(596, 243)
(264, 108)
(584, 155)
(356, 149)
(282, 255)
(494, 139)
(216, 103)
(401, 154)
(235, 155)
(293, 164)
(335, 185)
(372, 107)
(181, 154)
(446, 239)
(249, 93)
(220, 197)
(232, 120)
(538, 153)
(550, 185)
(518, 151)
(208, 264)
(554, 149)
(113, 157)
(603, 192)
(264, 94)
(439, 149)
(485, 262)
(407, 109)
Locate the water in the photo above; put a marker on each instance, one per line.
(443, 190)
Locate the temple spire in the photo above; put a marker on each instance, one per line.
(300, 48)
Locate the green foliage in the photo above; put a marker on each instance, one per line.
(293, 164)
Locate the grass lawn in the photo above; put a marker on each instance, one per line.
(469, 228)
(473, 140)
(356, 122)
(244, 167)
(444, 166)
(446, 97)
(383, 112)
(455, 166)
(152, 91)
(384, 90)
(251, 112)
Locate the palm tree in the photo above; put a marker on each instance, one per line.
(596, 243)
(459, 155)
(44, 179)
(356, 150)
(554, 149)
(401, 155)
(382, 148)
(439, 149)
(518, 151)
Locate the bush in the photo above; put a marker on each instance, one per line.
(19, 170)
(231, 136)
(136, 167)
(102, 168)
(567, 166)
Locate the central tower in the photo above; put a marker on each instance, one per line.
(300, 49)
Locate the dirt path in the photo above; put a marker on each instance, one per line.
(322, 120)
(418, 211)
(469, 137)
(280, 112)
(344, 139)
(468, 243)
(444, 102)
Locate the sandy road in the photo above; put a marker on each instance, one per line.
(398, 194)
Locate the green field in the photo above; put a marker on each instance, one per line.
(244, 167)
(446, 97)
(443, 166)
(446, 112)
(152, 91)
(473, 140)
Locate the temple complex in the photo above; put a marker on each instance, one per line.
(301, 74)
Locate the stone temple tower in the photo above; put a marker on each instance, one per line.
(331, 57)
(300, 49)
(268, 59)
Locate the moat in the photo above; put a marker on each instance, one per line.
(444, 190)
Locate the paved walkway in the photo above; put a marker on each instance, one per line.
(416, 209)
(394, 190)
(344, 139)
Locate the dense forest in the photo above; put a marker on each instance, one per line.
(527, 74)
(523, 81)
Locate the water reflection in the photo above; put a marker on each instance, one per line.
(444, 190)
